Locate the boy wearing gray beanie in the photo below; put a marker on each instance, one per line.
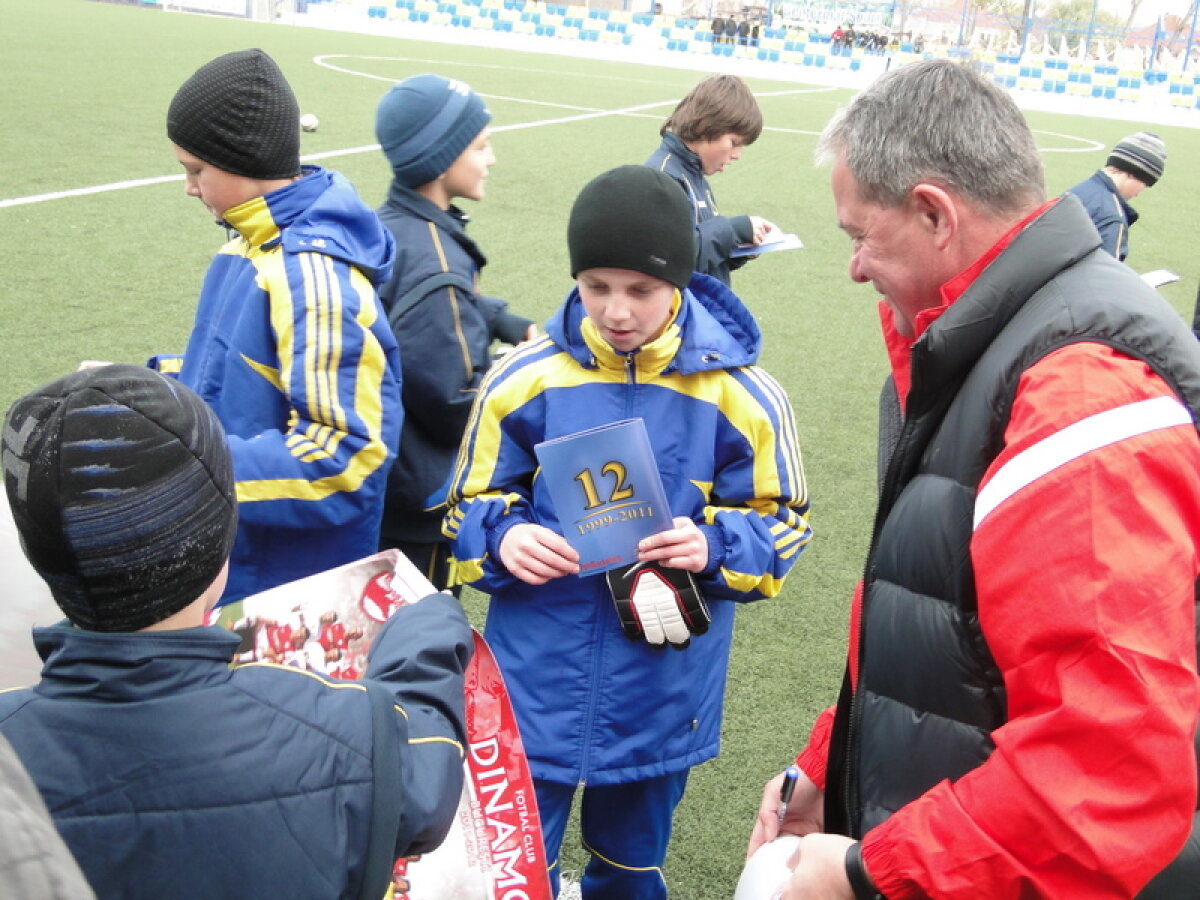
(640, 335)
(290, 346)
(1134, 164)
(434, 132)
(167, 772)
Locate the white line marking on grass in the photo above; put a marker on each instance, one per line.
(585, 114)
(322, 61)
(95, 189)
(1089, 144)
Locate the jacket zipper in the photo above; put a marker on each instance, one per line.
(599, 635)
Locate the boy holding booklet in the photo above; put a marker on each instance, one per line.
(639, 336)
(705, 133)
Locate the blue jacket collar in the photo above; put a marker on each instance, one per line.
(120, 667)
(717, 331)
(453, 221)
(690, 160)
(318, 213)
(1105, 180)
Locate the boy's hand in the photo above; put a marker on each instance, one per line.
(681, 547)
(761, 229)
(535, 554)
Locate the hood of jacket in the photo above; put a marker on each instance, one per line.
(712, 329)
(320, 212)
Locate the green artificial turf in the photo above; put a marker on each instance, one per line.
(114, 275)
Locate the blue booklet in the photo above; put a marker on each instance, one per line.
(773, 242)
(606, 491)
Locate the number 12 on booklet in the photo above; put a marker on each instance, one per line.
(606, 492)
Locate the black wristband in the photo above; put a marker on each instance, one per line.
(856, 872)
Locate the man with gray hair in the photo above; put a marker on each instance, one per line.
(1019, 706)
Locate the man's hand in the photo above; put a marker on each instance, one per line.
(819, 869)
(805, 812)
(761, 229)
(535, 554)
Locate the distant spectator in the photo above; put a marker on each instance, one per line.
(743, 32)
(1135, 163)
(718, 29)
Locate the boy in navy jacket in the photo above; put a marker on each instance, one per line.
(168, 772)
(434, 132)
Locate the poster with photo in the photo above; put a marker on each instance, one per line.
(325, 624)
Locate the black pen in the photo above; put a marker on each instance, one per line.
(790, 774)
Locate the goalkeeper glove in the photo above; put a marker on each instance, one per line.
(660, 604)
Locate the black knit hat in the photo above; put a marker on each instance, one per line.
(633, 218)
(239, 114)
(122, 491)
(1142, 155)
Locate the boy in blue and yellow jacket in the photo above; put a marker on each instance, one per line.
(290, 346)
(640, 336)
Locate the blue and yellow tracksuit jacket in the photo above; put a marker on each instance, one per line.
(594, 706)
(291, 349)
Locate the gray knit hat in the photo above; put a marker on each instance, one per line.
(635, 218)
(424, 123)
(1142, 155)
(239, 114)
(121, 488)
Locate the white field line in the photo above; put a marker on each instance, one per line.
(583, 114)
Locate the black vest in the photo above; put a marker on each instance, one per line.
(929, 694)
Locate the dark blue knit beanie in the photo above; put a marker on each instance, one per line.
(121, 488)
(424, 123)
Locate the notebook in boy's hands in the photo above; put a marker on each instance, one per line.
(606, 491)
(773, 241)
(1159, 277)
